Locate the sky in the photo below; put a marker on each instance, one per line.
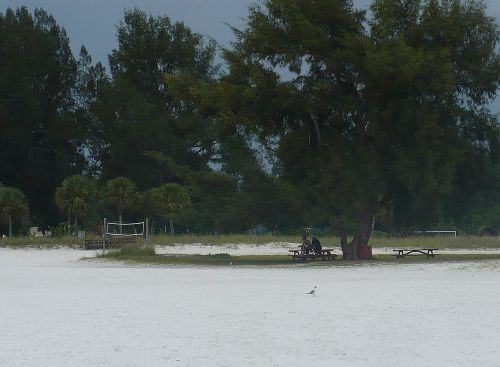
(92, 22)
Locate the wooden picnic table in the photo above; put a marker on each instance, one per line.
(325, 255)
(401, 253)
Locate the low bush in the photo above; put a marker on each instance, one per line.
(131, 250)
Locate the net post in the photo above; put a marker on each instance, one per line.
(147, 229)
(104, 235)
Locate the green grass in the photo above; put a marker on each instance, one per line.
(441, 257)
(460, 242)
(147, 255)
(136, 251)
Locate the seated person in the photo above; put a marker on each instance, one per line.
(316, 245)
(306, 245)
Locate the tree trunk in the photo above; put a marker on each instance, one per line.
(76, 224)
(69, 222)
(361, 237)
(172, 227)
(316, 128)
(120, 220)
(343, 235)
(10, 226)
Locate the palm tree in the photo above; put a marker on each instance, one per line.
(121, 193)
(12, 205)
(76, 195)
(64, 204)
(170, 200)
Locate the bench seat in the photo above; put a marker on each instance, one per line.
(325, 255)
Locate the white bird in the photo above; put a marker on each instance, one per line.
(313, 292)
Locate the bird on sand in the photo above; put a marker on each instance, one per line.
(313, 292)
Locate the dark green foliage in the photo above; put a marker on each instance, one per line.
(139, 124)
(77, 196)
(40, 139)
(169, 201)
(13, 207)
(327, 116)
(121, 194)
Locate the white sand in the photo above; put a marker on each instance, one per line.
(58, 311)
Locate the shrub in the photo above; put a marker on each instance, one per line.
(131, 250)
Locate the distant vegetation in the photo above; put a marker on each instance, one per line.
(323, 116)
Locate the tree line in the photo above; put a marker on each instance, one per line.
(80, 198)
(320, 114)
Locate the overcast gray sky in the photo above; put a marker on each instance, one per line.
(92, 22)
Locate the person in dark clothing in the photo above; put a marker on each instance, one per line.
(316, 245)
(306, 245)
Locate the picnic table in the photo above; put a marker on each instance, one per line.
(401, 253)
(325, 255)
(93, 244)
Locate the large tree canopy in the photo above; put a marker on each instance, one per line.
(364, 113)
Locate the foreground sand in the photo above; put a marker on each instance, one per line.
(56, 310)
